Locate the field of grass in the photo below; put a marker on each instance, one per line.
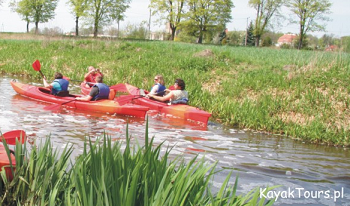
(300, 94)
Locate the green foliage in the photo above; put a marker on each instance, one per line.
(265, 11)
(308, 13)
(250, 38)
(302, 94)
(108, 173)
(202, 15)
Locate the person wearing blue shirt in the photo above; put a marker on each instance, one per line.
(59, 86)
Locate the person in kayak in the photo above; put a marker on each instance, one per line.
(59, 86)
(177, 96)
(90, 77)
(158, 87)
(98, 91)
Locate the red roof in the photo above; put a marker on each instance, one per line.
(287, 38)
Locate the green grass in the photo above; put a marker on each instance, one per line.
(109, 173)
(302, 94)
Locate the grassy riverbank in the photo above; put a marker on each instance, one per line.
(118, 173)
(301, 94)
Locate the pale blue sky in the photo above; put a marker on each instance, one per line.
(339, 26)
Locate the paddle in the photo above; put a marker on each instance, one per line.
(124, 99)
(36, 65)
(11, 136)
(120, 88)
(57, 106)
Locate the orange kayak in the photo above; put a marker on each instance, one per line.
(5, 162)
(183, 111)
(105, 105)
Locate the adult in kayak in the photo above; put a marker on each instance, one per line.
(90, 77)
(177, 96)
(98, 91)
(158, 87)
(59, 86)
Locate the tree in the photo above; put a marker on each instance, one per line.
(37, 11)
(250, 39)
(169, 10)
(203, 14)
(79, 8)
(23, 8)
(117, 12)
(104, 11)
(265, 10)
(308, 13)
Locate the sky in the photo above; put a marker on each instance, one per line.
(139, 11)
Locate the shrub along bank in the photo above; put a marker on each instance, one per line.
(301, 94)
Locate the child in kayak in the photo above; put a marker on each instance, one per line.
(59, 86)
(177, 96)
(158, 87)
(90, 77)
(98, 91)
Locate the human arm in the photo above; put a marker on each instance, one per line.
(162, 99)
(47, 85)
(94, 91)
(154, 89)
(84, 98)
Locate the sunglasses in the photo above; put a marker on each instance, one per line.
(156, 79)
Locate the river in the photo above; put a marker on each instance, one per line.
(308, 174)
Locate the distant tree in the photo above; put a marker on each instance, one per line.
(203, 14)
(267, 41)
(118, 11)
(23, 9)
(249, 39)
(79, 8)
(104, 11)
(308, 13)
(169, 10)
(136, 31)
(42, 11)
(265, 10)
(235, 37)
(345, 43)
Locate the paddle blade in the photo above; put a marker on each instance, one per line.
(11, 136)
(66, 78)
(124, 99)
(120, 88)
(53, 107)
(36, 65)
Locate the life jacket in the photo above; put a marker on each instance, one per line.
(161, 89)
(103, 91)
(63, 83)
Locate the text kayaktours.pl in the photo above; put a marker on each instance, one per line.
(302, 193)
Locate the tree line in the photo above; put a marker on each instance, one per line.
(200, 19)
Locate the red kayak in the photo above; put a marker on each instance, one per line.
(5, 162)
(178, 110)
(105, 105)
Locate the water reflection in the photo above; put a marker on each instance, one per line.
(259, 159)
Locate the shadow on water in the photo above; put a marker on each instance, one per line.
(259, 159)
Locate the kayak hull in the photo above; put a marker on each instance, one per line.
(105, 105)
(183, 111)
(5, 162)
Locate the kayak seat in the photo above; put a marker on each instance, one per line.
(62, 94)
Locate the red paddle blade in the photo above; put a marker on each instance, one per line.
(11, 136)
(53, 107)
(120, 88)
(124, 99)
(66, 78)
(36, 65)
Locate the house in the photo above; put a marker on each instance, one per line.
(331, 48)
(286, 39)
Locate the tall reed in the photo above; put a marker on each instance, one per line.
(108, 173)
